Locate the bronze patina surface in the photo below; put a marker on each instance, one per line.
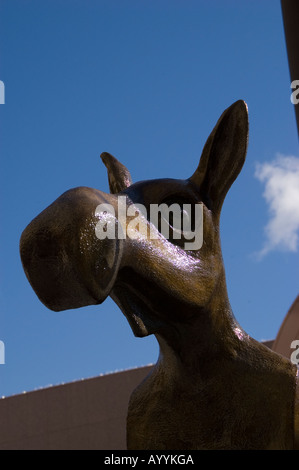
(213, 387)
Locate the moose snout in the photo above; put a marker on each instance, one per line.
(65, 262)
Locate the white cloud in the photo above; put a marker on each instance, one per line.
(281, 180)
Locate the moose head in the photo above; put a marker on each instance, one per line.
(213, 386)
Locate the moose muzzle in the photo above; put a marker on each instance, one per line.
(65, 263)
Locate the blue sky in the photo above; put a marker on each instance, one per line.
(145, 81)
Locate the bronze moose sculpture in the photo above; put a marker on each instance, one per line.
(213, 387)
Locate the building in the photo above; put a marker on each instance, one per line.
(91, 414)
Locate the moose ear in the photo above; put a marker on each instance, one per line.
(118, 175)
(223, 155)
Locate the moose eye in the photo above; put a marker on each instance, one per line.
(176, 220)
(178, 214)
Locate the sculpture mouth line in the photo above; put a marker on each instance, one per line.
(141, 301)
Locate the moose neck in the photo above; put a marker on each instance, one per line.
(210, 334)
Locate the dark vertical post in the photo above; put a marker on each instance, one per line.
(290, 13)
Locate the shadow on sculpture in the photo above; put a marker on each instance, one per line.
(213, 386)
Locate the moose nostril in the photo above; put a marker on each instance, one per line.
(36, 246)
(46, 246)
(110, 255)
